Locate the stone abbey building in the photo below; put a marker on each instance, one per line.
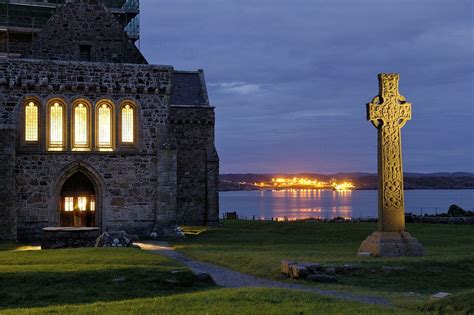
(93, 135)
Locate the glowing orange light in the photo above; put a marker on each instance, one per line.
(344, 186)
(68, 204)
(31, 122)
(304, 183)
(92, 203)
(82, 203)
(56, 127)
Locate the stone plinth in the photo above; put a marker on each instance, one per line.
(69, 237)
(391, 244)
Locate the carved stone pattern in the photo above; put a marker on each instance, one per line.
(392, 175)
(388, 112)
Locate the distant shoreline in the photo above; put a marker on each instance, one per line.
(361, 181)
(427, 188)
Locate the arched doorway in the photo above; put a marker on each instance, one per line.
(78, 202)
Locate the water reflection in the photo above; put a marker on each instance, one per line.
(328, 204)
(291, 204)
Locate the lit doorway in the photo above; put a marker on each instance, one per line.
(78, 202)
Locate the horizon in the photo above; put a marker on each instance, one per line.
(335, 173)
(290, 81)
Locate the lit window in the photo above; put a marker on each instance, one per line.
(68, 204)
(81, 127)
(56, 127)
(127, 124)
(82, 203)
(105, 127)
(31, 122)
(92, 208)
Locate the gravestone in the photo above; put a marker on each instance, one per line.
(388, 112)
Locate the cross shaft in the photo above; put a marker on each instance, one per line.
(389, 112)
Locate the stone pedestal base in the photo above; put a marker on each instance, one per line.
(391, 244)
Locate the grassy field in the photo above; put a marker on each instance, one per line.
(256, 247)
(44, 278)
(220, 301)
(78, 281)
(81, 281)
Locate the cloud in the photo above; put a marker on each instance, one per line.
(290, 79)
(237, 87)
(319, 113)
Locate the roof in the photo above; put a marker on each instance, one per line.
(189, 88)
(84, 30)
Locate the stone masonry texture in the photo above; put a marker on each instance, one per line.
(168, 177)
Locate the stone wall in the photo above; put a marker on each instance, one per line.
(8, 216)
(197, 165)
(145, 85)
(126, 187)
(169, 177)
(128, 177)
(84, 30)
(54, 238)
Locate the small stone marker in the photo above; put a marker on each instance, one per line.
(440, 295)
(285, 266)
(298, 271)
(388, 112)
(119, 279)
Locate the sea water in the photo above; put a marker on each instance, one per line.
(327, 204)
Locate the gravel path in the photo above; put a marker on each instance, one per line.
(232, 279)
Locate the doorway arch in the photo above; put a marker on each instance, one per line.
(78, 180)
(77, 202)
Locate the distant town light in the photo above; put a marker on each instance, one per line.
(304, 183)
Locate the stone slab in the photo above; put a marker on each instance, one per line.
(392, 244)
(440, 295)
(286, 265)
(298, 271)
(64, 237)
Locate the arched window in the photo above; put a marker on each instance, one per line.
(104, 127)
(56, 124)
(81, 121)
(31, 121)
(127, 118)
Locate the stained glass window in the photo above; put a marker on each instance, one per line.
(127, 124)
(56, 126)
(68, 204)
(31, 122)
(81, 126)
(105, 126)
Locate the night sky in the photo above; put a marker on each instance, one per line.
(290, 78)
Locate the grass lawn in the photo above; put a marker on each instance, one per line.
(49, 277)
(256, 247)
(220, 301)
(78, 281)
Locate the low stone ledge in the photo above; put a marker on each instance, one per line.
(69, 237)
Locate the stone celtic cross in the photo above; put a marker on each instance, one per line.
(389, 112)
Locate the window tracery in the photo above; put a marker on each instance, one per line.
(31, 122)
